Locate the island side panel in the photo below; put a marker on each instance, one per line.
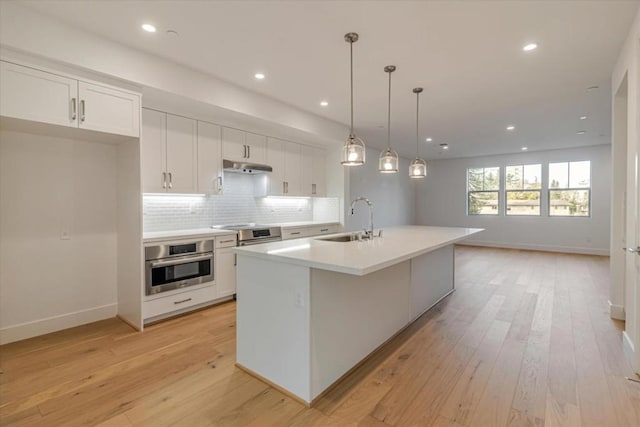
(432, 278)
(273, 322)
(351, 316)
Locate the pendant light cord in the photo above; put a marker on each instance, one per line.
(389, 115)
(417, 121)
(351, 65)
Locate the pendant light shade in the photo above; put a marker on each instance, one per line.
(388, 159)
(418, 167)
(353, 153)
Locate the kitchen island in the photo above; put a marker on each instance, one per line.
(309, 310)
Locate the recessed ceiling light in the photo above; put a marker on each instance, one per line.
(581, 132)
(324, 103)
(583, 117)
(259, 76)
(149, 28)
(429, 139)
(530, 47)
(592, 88)
(444, 146)
(511, 127)
(524, 148)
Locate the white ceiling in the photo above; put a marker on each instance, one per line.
(466, 54)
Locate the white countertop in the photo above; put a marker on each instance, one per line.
(398, 244)
(158, 236)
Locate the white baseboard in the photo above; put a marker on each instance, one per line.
(544, 248)
(616, 311)
(56, 323)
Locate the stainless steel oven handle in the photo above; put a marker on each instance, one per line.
(186, 260)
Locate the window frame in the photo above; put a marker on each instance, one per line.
(587, 189)
(498, 191)
(522, 190)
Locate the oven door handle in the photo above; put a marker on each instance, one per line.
(186, 260)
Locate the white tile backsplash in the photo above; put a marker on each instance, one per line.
(237, 206)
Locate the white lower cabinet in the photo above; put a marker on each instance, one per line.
(308, 231)
(225, 271)
(178, 302)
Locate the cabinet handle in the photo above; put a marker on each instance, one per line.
(244, 155)
(313, 189)
(82, 111)
(164, 180)
(227, 241)
(219, 184)
(295, 233)
(181, 301)
(170, 180)
(73, 109)
(322, 230)
(248, 151)
(284, 187)
(235, 259)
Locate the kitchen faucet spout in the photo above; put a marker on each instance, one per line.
(368, 233)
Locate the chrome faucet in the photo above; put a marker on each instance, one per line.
(368, 233)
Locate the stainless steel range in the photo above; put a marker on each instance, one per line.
(252, 234)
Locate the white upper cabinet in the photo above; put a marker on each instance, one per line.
(182, 155)
(169, 153)
(242, 146)
(31, 94)
(233, 144)
(210, 174)
(307, 170)
(153, 150)
(275, 159)
(319, 182)
(256, 147)
(105, 109)
(293, 169)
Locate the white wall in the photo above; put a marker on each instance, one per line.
(392, 195)
(441, 201)
(49, 186)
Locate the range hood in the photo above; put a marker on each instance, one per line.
(242, 167)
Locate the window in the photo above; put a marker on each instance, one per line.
(570, 188)
(524, 185)
(483, 188)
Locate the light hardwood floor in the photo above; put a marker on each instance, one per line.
(525, 340)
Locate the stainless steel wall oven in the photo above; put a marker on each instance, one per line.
(177, 265)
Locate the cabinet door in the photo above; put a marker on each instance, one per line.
(293, 168)
(257, 147)
(275, 159)
(35, 95)
(108, 110)
(319, 183)
(153, 150)
(233, 145)
(306, 176)
(225, 273)
(209, 159)
(181, 155)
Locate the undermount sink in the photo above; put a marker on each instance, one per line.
(344, 238)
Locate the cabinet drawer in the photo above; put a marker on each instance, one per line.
(226, 241)
(324, 229)
(295, 233)
(179, 301)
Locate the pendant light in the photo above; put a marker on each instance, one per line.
(418, 167)
(353, 153)
(388, 159)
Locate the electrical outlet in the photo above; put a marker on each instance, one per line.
(299, 300)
